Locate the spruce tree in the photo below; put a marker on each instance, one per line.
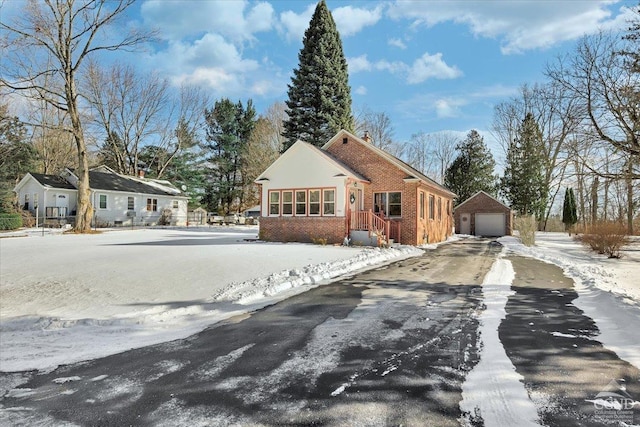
(569, 211)
(319, 103)
(523, 183)
(472, 170)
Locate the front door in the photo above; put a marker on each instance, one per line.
(62, 203)
(355, 199)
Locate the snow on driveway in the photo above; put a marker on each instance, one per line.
(66, 298)
(493, 389)
(608, 289)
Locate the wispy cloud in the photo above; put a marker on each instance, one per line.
(424, 68)
(397, 43)
(519, 25)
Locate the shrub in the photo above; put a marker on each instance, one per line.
(319, 241)
(526, 226)
(10, 221)
(605, 237)
(28, 219)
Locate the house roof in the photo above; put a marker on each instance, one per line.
(327, 157)
(476, 195)
(52, 181)
(130, 184)
(408, 169)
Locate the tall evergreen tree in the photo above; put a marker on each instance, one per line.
(17, 157)
(472, 170)
(569, 210)
(229, 127)
(319, 103)
(523, 183)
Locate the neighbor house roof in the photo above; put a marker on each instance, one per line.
(52, 181)
(411, 172)
(129, 184)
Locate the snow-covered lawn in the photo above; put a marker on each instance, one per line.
(66, 297)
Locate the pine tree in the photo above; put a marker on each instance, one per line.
(569, 210)
(229, 127)
(523, 183)
(472, 170)
(319, 103)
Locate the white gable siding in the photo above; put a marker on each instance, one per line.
(302, 168)
(46, 197)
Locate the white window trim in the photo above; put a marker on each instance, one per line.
(282, 202)
(319, 202)
(333, 201)
(269, 203)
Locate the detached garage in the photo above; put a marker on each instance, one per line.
(483, 215)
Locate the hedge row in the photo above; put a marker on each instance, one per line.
(10, 221)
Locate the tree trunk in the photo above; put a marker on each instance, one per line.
(594, 200)
(629, 182)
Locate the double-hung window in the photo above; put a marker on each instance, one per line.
(314, 202)
(102, 201)
(421, 203)
(329, 199)
(274, 203)
(131, 203)
(152, 205)
(432, 207)
(301, 202)
(287, 203)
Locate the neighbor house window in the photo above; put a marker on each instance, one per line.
(301, 202)
(287, 203)
(35, 200)
(314, 202)
(152, 205)
(102, 201)
(432, 207)
(421, 201)
(131, 203)
(439, 208)
(274, 203)
(174, 203)
(329, 199)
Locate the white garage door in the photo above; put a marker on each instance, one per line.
(490, 224)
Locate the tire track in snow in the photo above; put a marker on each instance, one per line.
(494, 392)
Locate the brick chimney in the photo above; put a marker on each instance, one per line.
(366, 136)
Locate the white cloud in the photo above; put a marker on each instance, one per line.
(359, 63)
(179, 19)
(519, 25)
(351, 20)
(361, 90)
(448, 107)
(295, 24)
(431, 66)
(397, 43)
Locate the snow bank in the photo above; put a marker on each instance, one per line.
(68, 298)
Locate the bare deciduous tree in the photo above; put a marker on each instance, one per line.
(53, 39)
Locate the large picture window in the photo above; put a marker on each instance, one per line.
(388, 204)
(274, 203)
(314, 202)
(329, 199)
(287, 203)
(301, 202)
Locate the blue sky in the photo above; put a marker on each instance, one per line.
(429, 65)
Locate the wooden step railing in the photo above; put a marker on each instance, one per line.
(375, 224)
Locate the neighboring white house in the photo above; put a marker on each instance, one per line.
(117, 199)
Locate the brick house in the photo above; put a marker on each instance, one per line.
(483, 215)
(350, 187)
